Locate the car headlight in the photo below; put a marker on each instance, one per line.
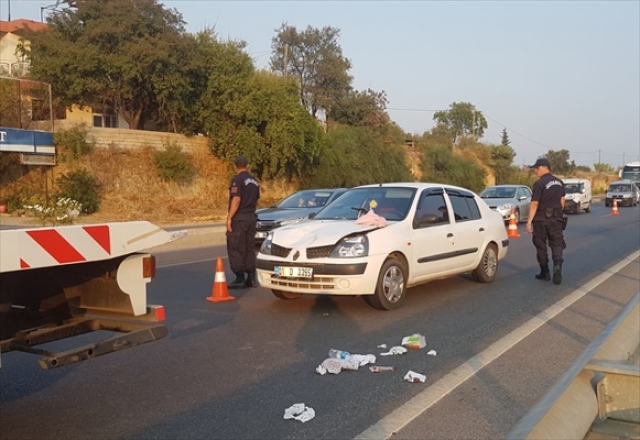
(506, 206)
(291, 221)
(352, 247)
(265, 248)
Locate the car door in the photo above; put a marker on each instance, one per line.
(524, 203)
(432, 236)
(469, 232)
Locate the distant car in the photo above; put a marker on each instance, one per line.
(625, 192)
(432, 231)
(293, 209)
(504, 198)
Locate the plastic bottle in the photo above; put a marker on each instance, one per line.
(337, 354)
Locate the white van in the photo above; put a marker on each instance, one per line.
(577, 195)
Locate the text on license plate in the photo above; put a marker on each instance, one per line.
(293, 272)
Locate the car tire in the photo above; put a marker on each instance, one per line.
(588, 208)
(286, 295)
(517, 216)
(606, 205)
(488, 266)
(391, 288)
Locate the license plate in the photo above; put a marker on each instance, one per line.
(261, 235)
(293, 272)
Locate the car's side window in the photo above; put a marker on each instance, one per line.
(527, 192)
(431, 211)
(473, 208)
(461, 209)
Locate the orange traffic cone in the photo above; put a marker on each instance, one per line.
(614, 209)
(220, 291)
(513, 226)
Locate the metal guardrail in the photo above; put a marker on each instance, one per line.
(600, 392)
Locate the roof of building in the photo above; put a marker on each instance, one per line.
(18, 26)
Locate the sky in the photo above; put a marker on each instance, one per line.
(556, 74)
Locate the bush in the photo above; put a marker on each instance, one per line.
(81, 187)
(442, 166)
(174, 165)
(72, 142)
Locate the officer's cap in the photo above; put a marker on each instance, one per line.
(541, 163)
(241, 161)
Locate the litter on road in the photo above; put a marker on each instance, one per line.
(431, 353)
(395, 350)
(380, 369)
(414, 377)
(300, 412)
(414, 342)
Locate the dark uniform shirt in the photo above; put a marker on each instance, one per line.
(548, 191)
(243, 185)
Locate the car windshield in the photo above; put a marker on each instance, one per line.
(620, 188)
(392, 203)
(572, 188)
(498, 193)
(304, 199)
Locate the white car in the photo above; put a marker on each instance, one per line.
(333, 255)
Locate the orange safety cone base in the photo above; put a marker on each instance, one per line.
(220, 290)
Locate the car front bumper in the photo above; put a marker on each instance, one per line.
(331, 276)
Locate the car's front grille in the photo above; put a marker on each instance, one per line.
(320, 251)
(318, 282)
(280, 251)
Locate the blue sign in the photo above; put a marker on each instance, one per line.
(26, 141)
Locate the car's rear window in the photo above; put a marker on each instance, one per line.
(498, 193)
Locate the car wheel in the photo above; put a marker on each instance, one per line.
(606, 205)
(391, 288)
(286, 295)
(588, 208)
(517, 216)
(488, 266)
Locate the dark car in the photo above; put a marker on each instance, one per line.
(293, 209)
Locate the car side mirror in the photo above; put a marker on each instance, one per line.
(312, 215)
(523, 198)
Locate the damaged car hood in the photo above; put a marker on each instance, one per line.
(317, 233)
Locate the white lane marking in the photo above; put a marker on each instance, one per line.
(190, 262)
(402, 416)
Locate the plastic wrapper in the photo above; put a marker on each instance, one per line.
(414, 377)
(414, 342)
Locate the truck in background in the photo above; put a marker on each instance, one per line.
(59, 282)
(631, 171)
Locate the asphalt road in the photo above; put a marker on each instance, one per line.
(229, 370)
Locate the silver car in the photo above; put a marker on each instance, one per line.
(504, 198)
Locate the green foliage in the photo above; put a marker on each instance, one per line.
(440, 165)
(265, 122)
(62, 211)
(501, 161)
(356, 156)
(603, 168)
(72, 143)
(505, 138)
(559, 161)
(315, 58)
(82, 187)
(174, 165)
(582, 168)
(462, 119)
(118, 56)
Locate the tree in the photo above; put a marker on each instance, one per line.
(366, 109)
(603, 168)
(502, 163)
(314, 57)
(122, 56)
(559, 161)
(441, 165)
(505, 138)
(462, 119)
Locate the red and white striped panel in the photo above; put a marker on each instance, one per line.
(66, 245)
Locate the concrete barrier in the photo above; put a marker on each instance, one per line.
(599, 394)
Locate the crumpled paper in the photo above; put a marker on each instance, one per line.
(300, 412)
(414, 377)
(335, 366)
(431, 353)
(395, 350)
(372, 219)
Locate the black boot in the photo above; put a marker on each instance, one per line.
(252, 281)
(557, 273)
(544, 273)
(238, 283)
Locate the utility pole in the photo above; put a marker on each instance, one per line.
(286, 58)
(599, 160)
(474, 126)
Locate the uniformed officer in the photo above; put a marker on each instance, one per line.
(244, 193)
(546, 220)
